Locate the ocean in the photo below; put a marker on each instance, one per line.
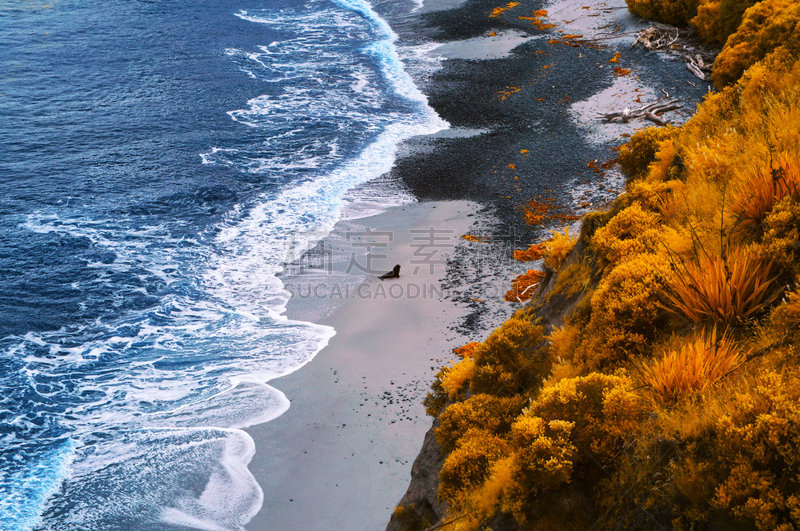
(161, 161)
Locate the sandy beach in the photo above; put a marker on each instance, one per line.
(340, 457)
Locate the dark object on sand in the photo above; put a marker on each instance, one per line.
(394, 273)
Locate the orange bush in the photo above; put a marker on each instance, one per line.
(534, 252)
(537, 212)
(466, 351)
(496, 12)
(524, 286)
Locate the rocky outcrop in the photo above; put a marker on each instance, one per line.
(420, 508)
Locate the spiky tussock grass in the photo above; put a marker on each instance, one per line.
(722, 289)
(698, 365)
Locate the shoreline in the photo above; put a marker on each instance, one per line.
(341, 456)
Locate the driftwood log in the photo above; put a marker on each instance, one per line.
(649, 112)
(680, 42)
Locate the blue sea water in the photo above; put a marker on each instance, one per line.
(157, 159)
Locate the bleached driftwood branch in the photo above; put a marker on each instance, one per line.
(649, 112)
(664, 38)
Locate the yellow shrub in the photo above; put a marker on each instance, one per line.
(698, 365)
(591, 403)
(718, 19)
(625, 306)
(562, 341)
(633, 231)
(457, 376)
(543, 459)
(481, 504)
(469, 464)
(725, 289)
(734, 134)
(707, 22)
(410, 519)
(573, 279)
(437, 398)
(764, 27)
(667, 165)
(653, 195)
(760, 443)
(675, 12)
(556, 249)
(641, 149)
(485, 412)
(781, 238)
(718, 160)
(514, 359)
(576, 422)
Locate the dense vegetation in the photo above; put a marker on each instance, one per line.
(748, 29)
(669, 397)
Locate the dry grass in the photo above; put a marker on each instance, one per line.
(694, 368)
(725, 289)
(456, 377)
(556, 249)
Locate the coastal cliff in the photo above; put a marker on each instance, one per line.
(652, 380)
(420, 507)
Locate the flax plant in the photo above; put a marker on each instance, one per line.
(722, 289)
(698, 365)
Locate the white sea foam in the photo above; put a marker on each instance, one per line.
(35, 484)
